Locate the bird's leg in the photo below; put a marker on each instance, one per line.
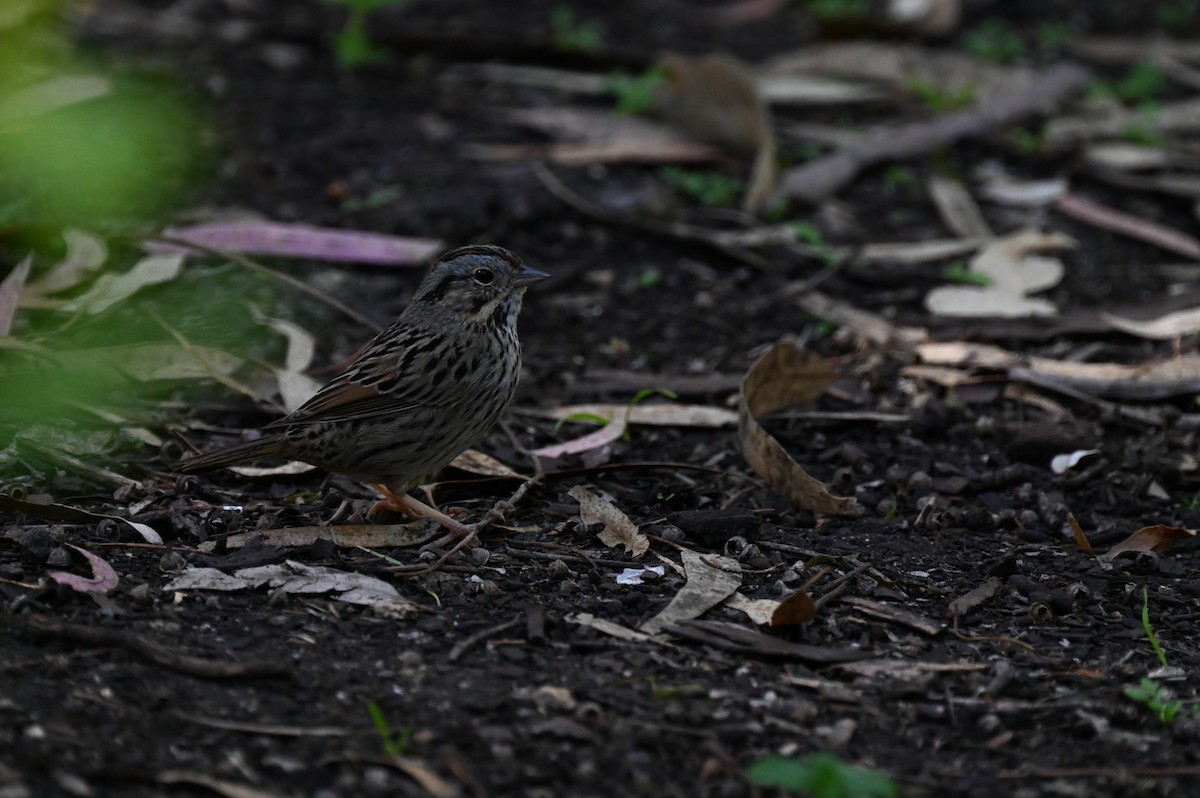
(414, 508)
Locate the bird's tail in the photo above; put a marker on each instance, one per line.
(272, 446)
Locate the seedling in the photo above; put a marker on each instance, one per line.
(1153, 638)
(1027, 141)
(650, 278)
(394, 743)
(570, 35)
(351, 46)
(1051, 37)
(810, 235)
(635, 93)
(821, 775)
(940, 100)
(994, 40)
(708, 188)
(1178, 14)
(959, 273)
(1156, 697)
(839, 8)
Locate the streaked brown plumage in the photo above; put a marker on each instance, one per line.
(421, 392)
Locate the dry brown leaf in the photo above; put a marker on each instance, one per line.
(914, 620)
(476, 462)
(716, 99)
(794, 610)
(972, 599)
(102, 580)
(618, 530)
(85, 254)
(867, 327)
(958, 208)
(786, 375)
(1081, 540)
(1158, 537)
(711, 579)
(1013, 271)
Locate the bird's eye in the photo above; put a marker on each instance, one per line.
(485, 276)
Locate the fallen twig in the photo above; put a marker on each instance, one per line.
(822, 177)
(42, 627)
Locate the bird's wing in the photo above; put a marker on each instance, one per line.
(402, 370)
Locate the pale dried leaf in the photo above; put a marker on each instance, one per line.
(476, 462)
(711, 578)
(999, 187)
(1013, 271)
(618, 529)
(657, 415)
(607, 434)
(102, 580)
(10, 292)
(868, 327)
(63, 512)
(288, 240)
(602, 137)
(1062, 463)
(85, 254)
(109, 289)
(1164, 328)
(758, 610)
(345, 536)
(52, 95)
(288, 469)
(609, 628)
(785, 375)
(292, 577)
(1126, 157)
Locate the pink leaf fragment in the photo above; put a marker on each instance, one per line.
(303, 241)
(593, 440)
(103, 578)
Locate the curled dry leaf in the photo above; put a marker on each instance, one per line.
(794, 610)
(85, 254)
(618, 530)
(1013, 272)
(64, 512)
(786, 375)
(1159, 537)
(295, 387)
(1062, 463)
(102, 580)
(1081, 540)
(1164, 328)
(711, 579)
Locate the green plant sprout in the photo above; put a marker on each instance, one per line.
(821, 775)
(940, 100)
(1155, 697)
(394, 743)
(810, 235)
(1178, 14)
(351, 46)
(569, 35)
(959, 273)
(994, 40)
(1153, 638)
(839, 8)
(708, 188)
(650, 278)
(635, 93)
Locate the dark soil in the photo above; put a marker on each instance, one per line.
(504, 693)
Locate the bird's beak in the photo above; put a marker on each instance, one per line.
(528, 276)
